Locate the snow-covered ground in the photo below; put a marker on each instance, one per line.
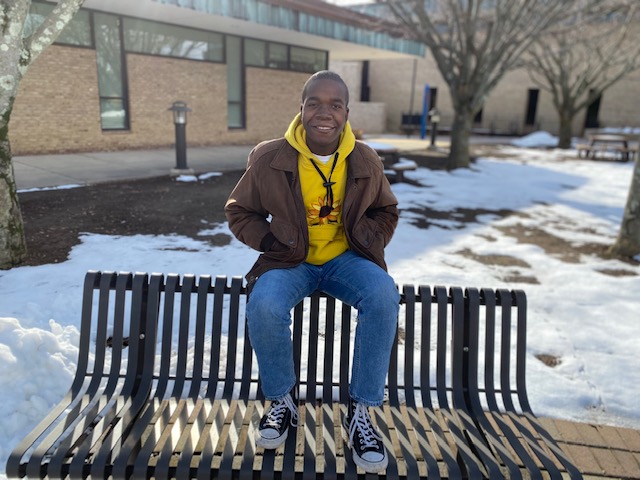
(578, 312)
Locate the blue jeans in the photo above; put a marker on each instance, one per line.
(350, 278)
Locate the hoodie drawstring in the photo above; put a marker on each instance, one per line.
(328, 184)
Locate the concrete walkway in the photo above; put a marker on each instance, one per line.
(40, 171)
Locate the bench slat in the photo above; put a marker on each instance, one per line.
(167, 387)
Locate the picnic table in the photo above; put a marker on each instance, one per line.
(607, 143)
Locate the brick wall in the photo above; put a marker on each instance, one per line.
(273, 99)
(504, 111)
(57, 109)
(620, 106)
(392, 82)
(155, 83)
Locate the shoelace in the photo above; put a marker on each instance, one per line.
(277, 411)
(361, 422)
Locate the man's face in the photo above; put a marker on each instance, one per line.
(324, 114)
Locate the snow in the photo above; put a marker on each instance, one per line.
(196, 178)
(45, 189)
(536, 139)
(577, 311)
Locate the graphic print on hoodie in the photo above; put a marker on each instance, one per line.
(327, 239)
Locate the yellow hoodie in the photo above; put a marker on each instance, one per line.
(326, 233)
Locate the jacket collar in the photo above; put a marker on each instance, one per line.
(286, 158)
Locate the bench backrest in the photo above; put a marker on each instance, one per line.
(185, 336)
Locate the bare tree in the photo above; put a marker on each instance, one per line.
(628, 242)
(474, 43)
(578, 61)
(16, 54)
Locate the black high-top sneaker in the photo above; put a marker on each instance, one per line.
(364, 440)
(274, 425)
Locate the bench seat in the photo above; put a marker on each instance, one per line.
(396, 170)
(167, 387)
(620, 153)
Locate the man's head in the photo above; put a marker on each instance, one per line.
(324, 111)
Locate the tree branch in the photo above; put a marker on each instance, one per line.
(55, 22)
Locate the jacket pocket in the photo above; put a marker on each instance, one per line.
(287, 241)
(367, 236)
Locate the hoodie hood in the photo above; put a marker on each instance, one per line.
(297, 138)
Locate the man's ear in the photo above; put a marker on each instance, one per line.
(347, 115)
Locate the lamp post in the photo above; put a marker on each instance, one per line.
(180, 110)
(434, 116)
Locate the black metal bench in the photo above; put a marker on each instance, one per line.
(410, 123)
(167, 387)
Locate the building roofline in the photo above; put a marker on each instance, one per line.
(370, 38)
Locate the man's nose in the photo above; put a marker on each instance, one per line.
(324, 110)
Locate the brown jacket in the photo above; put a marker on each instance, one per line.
(270, 187)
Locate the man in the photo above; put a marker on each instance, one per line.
(319, 207)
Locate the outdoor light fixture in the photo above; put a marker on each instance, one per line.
(180, 110)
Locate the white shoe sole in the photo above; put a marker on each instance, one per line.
(368, 467)
(271, 443)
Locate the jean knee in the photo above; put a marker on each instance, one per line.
(264, 311)
(384, 296)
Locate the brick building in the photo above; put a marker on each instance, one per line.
(516, 106)
(109, 80)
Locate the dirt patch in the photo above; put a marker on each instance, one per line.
(617, 272)
(54, 219)
(452, 219)
(549, 360)
(563, 249)
(514, 276)
(494, 259)
(517, 277)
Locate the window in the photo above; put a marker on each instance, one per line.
(142, 36)
(255, 53)
(278, 56)
(235, 83)
(307, 60)
(365, 89)
(433, 97)
(114, 111)
(77, 31)
(478, 118)
(593, 111)
(532, 106)
(258, 53)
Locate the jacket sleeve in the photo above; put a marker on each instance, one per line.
(244, 211)
(384, 209)
(382, 204)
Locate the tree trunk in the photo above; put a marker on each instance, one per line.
(565, 131)
(460, 132)
(13, 246)
(628, 241)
